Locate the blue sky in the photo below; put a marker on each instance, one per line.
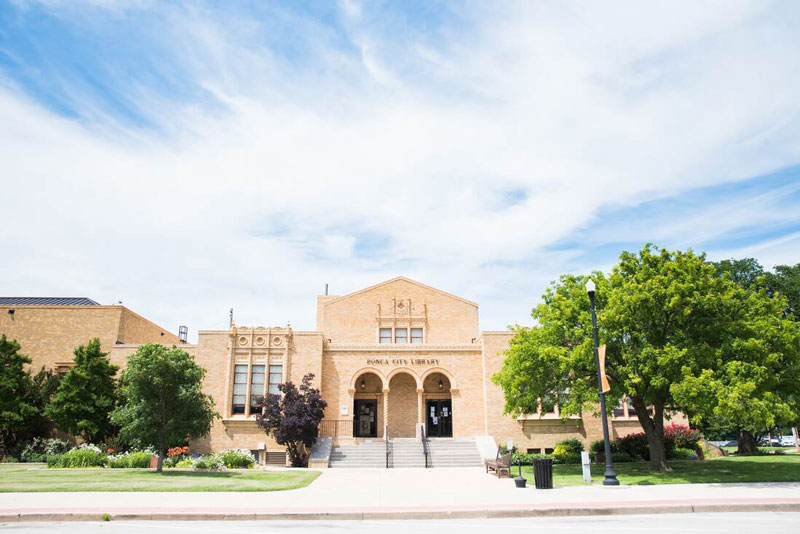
(191, 157)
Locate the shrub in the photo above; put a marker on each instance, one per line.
(620, 457)
(682, 436)
(139, 459)
(598, 447)
(38, 449)
(682, 454)
(636, 445)
(565, 457)
(570, 444)
(212, 462)
(186, 462)
(88, 456)
(237, 459)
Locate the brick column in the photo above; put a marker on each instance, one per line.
(420, 407)
(386, 413)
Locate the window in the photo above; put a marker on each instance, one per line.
(401, 335)
(416, 335)
(239, 388)
(256, 388)
(275, 378)
(386, 335)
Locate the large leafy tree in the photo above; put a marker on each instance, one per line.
(745, 272)
(786, 281)
(162, 400)
(43, 386)
(293, 418)
(16, 407)
(665, 317)
(86, 395)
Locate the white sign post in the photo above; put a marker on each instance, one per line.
(586, 466)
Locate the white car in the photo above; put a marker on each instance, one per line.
(787, 441)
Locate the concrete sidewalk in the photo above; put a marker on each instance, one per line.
(401, 493)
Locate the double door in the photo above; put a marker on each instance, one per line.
(439, 418)
(365, 421)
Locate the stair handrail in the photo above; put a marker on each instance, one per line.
(424, 445)
(386, 433)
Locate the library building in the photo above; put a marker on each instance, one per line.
(401, 365)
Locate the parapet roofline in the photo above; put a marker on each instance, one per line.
(395, 279)
(47, 301)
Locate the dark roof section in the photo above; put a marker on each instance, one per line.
(47, 301)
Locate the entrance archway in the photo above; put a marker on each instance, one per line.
(367, 405)
(438, 405)
(402, 405)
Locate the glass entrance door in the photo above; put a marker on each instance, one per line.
(439, 418)
(365, 421)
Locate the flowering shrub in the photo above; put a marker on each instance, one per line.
(178, 451)
(237, 459)
(38, 449)
(683, 436)
(211, 462)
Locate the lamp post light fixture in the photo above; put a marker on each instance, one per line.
(610, 475)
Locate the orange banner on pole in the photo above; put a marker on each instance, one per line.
(601, 351)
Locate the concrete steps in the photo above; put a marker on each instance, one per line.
(454, 452)
(407, 452)
(364, 454)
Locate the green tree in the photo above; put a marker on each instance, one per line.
(43, 386)
(746, 272)
(665, 317)
(15, 385)
(163, 404)
(86, 395)
(755, 385)
(786, 281)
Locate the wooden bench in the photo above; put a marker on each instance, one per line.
(500, 464)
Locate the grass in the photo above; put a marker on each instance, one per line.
(716, 470)
(38, 478)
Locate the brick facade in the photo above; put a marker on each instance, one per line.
(448, 360)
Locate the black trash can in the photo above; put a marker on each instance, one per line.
(543, 473)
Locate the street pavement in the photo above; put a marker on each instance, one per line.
(667, 524)
(395, 493)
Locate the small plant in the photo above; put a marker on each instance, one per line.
(683, 454)
(106, 517)
(186, 462)
(569, 445)
(82, 456)
(38, 449)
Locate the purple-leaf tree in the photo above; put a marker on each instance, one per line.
(293, 418)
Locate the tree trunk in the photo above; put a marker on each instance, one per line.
(160, 463)
(654, 430)
(747, 443)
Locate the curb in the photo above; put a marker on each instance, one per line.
(408, 514)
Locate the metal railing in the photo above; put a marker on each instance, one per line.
(425, 451)
(388, 451)
(336, 428)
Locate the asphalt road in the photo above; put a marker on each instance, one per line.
(666, 523)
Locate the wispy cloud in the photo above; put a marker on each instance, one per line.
(188, 158)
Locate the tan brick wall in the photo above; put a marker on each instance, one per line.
(50, 334)
(353, 318)
(402, 406)
(136, 329)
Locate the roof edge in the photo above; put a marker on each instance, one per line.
(395, 279)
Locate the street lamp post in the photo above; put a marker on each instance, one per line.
(610, 475)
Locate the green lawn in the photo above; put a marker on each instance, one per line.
(37, 477)
(727, 469)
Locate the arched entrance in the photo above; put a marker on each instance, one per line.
(402, 405)
(438, 405)
(367, 405)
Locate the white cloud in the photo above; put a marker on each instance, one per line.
(415, 142)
